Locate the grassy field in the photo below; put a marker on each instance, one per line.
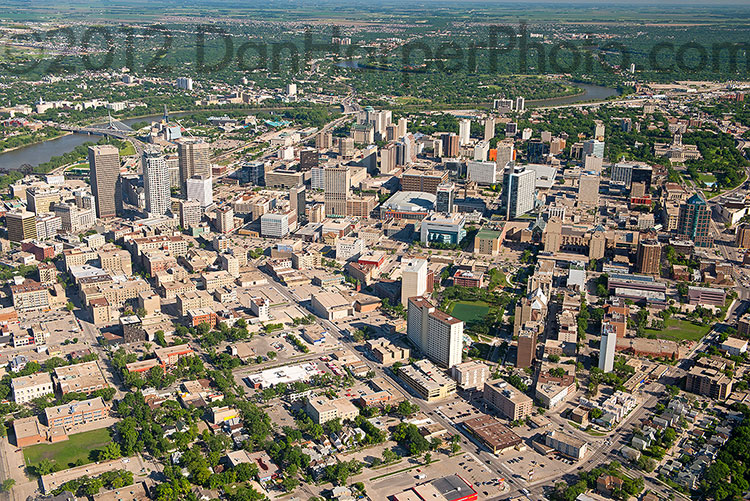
(681, 330)
(470, 311)
(129, 149)
(66, 453)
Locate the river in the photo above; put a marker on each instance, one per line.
(35, 154)
(38, 153)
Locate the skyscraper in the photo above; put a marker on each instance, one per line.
(21, 225)
(438, 335)
(104, 165)
(489, 128)
(594, 148)
(156, 183)
(446, 193)
(193, 157)
(297, 201)
(413, 279)
(464, 131)
(520, 104)
(519, 184)
(526, 348)
(588, 188)
(649, 256)
(337, 182)
(607, 347)
(190, 213)
(693, 222)
(200, 187)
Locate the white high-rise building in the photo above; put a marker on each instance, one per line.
(402, 127)
(518, 191)
(482, 172)
(489, 128)
(185, 83)
(481, 150)
(201, 188)
(607, 347)
(594, 148)
(413, 279)
(520, 104)
(156, 183)
(274, 224)
(291, 89)
(317, 178)
(190, 213)
(464, 131)
(438, 335)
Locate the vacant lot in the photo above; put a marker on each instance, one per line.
(470, 311)
(66, 453)
(680, 330)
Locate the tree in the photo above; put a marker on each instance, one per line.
(110, 451)
(7, 485)
(69, 306)
(141, 312)
(159, 338)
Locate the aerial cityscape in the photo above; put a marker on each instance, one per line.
(327, 250)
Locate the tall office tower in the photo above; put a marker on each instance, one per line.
(594, 148)
(481, 151)
(297, 201)
(225, 219)
(391, 132)
(446, 193)
(519, 184)
(104, 165)
(193, 156)
(21, 225)
(324, 141)
(481, 172)
(649, 257)
(588, 188)
(308, 158)
(438, 335)
(388, 159)
(156, 183)
(464, 131)
(505, 153)
(537, 151)
(370, 159)
(622, 173)
(413, 279)
(173, 164)
(693, 222)
(520, 104)
(591, 163)
(607, 347)
(337, 183)
(402, 127)
(201, 188)
(318, 178)
(253, 173)
(489, 128)
(450, 145)
(190, 213)
(511, 129)
(346, 147)
(598, 130)
(526, 348)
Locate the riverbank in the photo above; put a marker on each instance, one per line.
(16, 148)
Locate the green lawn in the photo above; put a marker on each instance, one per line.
(679, 330)
(128, 149)
(66, 453)
(470, 311)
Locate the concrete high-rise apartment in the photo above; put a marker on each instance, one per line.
(489, 128)
(649, 257)
(607, 347)
(519, 184)
(200, 187)
(402, 127)
(190, 213)
(225, 219)
(337, 184)
(413, 279)
(21, 225)
(482, 172)
(193, 155)
(505, 153)
(156, 183)
(464, 131)
(450, 145)
(588, 188)
(520, 104)
(438, 335)
(526, 348)
(104, 165)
